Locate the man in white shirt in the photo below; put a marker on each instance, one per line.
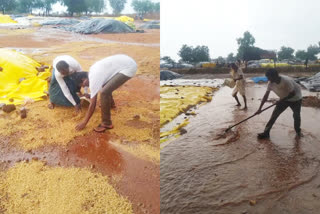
(238, 77)
(63, 88)
(290, 95)
(105, 76)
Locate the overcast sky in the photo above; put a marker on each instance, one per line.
(217, 24)
(127, 10)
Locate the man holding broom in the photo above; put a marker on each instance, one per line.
(290, 95)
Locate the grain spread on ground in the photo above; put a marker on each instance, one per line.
(175, 100)
(36, 188)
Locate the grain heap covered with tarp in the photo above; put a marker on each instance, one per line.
(5, 19)
(95, 26)
(312, 83)
(19, 79)
(151, 25)
(61, 22)
(169, 75)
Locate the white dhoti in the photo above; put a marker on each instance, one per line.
(240, 87)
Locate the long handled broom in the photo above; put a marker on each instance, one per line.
(230, 127)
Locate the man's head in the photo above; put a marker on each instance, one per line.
(63, 67)
(82, 79)
(272, 75)
(234, 66)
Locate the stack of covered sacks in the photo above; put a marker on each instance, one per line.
(5, 19)
(19, 78)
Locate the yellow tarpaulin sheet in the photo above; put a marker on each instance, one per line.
(19, 79)
(6, 19)
(209, 65)
(124, 19)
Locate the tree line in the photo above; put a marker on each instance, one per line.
(246, 52)
(141, 7)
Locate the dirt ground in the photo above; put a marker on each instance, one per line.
(129, 154)
(204, 171)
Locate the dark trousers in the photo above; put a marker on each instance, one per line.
(280, 107)
(106, 96)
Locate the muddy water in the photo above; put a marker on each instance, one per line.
(206, 172)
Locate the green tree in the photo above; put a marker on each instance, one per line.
(7, 5)
(75, 6)
(309, 54)
(201, 54)
(117, 6)
(301, 54)
(312, 51)
(231, 58)
(143, 7)
(252, 53)
(221, 60)
(25, 6)
(156, 7)
(244, 43)
(95, 6)
(45, 5)
(168, 60)
(193, 55)
(285, 53)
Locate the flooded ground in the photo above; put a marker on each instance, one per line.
(129, 154)
(204, 171)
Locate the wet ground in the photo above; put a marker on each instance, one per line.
(204, 171)
(128, 154)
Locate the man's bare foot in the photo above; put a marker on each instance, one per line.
(102, 128)
(51, 106)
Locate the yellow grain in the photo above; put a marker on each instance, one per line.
(33, 188)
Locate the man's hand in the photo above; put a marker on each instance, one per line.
(258, 112)
(280, 101)
(87, 95)
(81, 126)
(78, 108)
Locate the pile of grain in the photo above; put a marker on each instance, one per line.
(36, 188)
